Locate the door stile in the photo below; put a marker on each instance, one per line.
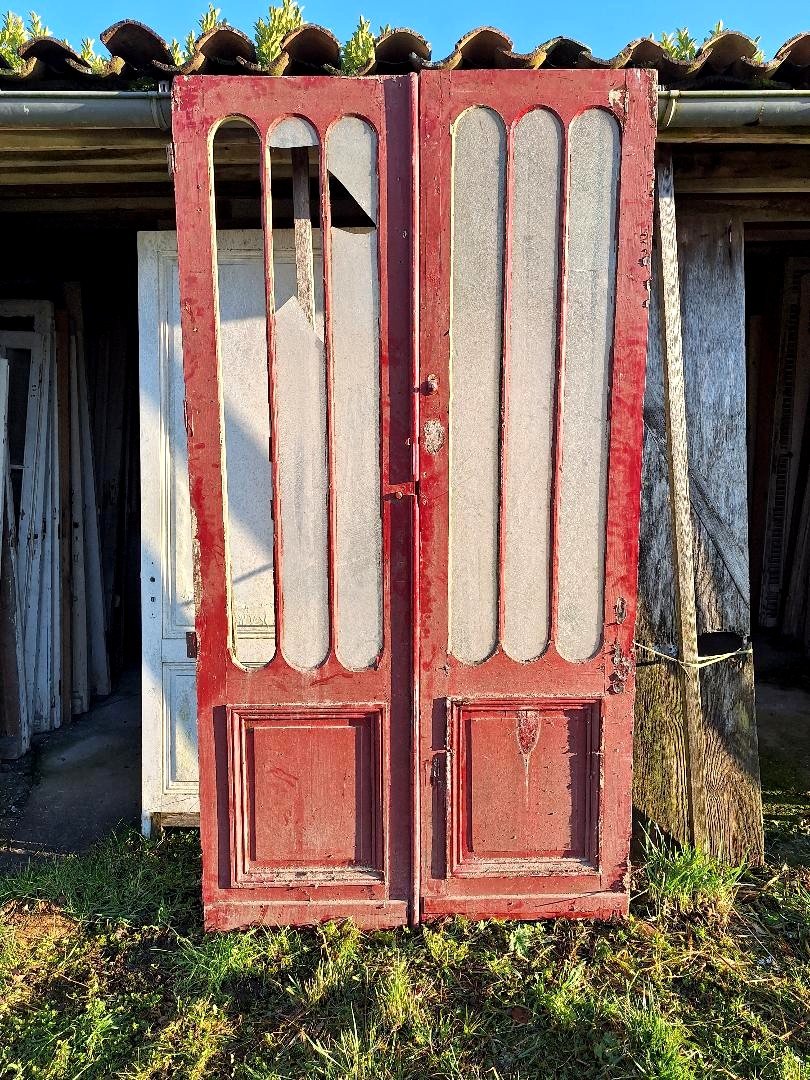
(413, 440)
(202, 411)
(634, 233)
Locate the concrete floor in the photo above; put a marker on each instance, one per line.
(85, 780)
(783, 713)
(783, 726)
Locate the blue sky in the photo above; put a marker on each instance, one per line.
(605, 27)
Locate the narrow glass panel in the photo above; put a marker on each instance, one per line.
(476, 318)
(590, 298)
(243, 356)
(243, 374)
(300, 396)
(530, 387)
(351, 158)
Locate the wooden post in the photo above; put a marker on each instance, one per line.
(303, 231)
(682, 538)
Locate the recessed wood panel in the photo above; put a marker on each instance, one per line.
(179, 712)
(306, 793)
(523, 784)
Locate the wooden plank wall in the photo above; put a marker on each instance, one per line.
(713, 312)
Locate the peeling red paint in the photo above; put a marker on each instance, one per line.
(422, 741)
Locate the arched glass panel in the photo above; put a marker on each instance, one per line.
(476, 336)
(351, 160)
(593, 161)
(531, 378)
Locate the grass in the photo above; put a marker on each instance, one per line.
(105, 972)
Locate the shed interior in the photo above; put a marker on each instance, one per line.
(72, 204)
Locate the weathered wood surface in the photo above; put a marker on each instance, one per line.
(303, 232)
(788, 427)
(62, 352)
(13, 733)
(738, 170)
(78, 631)
(677, 453)
(713, 308)
(15, 726)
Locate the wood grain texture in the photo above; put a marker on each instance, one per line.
(680, 511)
(712, 307)
(303, 231)
(15, 725)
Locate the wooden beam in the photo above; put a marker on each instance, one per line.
(682, 538)
(741, 170)
(751, 208)
(741, 135)
(303, 232)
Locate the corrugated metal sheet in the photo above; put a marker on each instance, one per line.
(139, 57)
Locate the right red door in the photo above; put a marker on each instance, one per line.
(536, 221)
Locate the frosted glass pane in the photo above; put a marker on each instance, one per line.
(591, 286)
(476, 324)
(531, 379)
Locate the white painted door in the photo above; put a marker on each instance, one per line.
(26, 339)
(169, 704)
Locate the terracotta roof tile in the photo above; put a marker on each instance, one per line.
(138, 55)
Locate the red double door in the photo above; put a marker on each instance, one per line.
(437, 469)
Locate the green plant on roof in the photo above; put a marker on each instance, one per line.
(209, 20)
(14, 33)
(88, 53)
(269, 33)
(682, 46)
(358, 51)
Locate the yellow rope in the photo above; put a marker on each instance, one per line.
(702, 662)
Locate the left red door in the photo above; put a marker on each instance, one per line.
(305, 754)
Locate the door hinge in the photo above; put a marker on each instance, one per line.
(192, 645)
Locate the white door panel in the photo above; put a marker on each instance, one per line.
(167, 586)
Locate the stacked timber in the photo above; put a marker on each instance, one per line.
(785, 583)
(53, 649)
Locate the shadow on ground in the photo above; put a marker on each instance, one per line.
(79, 783)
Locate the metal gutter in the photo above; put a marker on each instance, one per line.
(68, 109)
(728, 109)
(677, 109)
